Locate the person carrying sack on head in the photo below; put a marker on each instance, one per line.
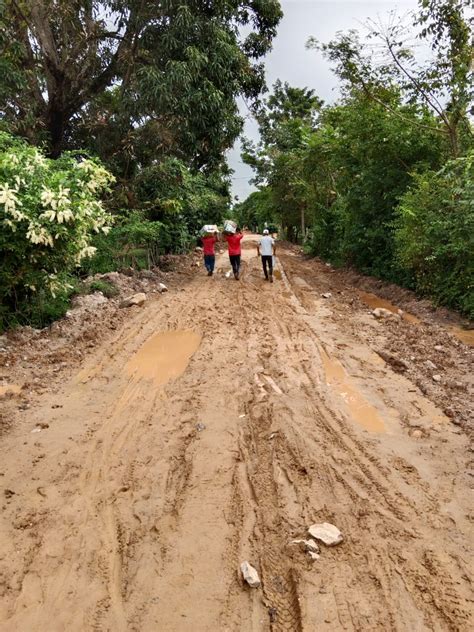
(235, 251)
(208, 243)
(266, 249)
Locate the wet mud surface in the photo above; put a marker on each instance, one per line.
(215, 425)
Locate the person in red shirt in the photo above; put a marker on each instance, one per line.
(208, 244)
(235, 251)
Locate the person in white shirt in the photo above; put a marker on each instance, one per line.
(266, 249)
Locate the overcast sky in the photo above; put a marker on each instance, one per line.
(290, 61)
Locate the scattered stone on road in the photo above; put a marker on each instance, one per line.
(436, 378)
(326, 295)
(89, 301)
(135, 299)
(326, 533)
(314, 556)
(250, 575)
(397, 364)
(273, 613)
(430, 365)
(307, 545)
(162, 288)
(381, 312)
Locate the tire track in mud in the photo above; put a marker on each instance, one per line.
(334, 437)
(104, 476)
(368, 472)
(350, 475)
(99, 486)
(279, 583)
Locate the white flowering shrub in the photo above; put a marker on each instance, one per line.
(49, 212)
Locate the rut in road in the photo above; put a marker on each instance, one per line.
(152, 495)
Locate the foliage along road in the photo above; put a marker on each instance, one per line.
(216, 427)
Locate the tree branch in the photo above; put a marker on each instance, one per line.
(372, 96)
(430, 99)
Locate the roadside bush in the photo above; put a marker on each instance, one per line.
(181, 200)
(49, 211)
(108, 289)
(133, 241)
(360, 163)
(435, 233)
(171, 205)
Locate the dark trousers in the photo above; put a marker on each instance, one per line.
(235, 263)
(267, 261)
(210, 262)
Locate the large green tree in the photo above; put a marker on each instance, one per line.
(132, 78)
(286, 120)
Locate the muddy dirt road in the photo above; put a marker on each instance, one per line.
(215, 426)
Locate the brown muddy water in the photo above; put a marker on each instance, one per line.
(7, 389)
(358, 407)
(165, 356)
(464, 335)
(374, 301)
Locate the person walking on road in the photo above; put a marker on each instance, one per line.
(266, 249)
(208, 244)
(235, 251)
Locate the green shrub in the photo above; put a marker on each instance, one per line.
(360, 163)
(435, 233)
(133, 241)
(41, 310)
(107, 288)
(49, 210)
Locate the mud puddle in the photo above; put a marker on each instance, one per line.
(165, 356)
(359, 408)
(9, 389)
(464, 335)
(374, 301)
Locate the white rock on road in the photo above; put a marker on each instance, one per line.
(381, 312)
(250, 575)
(162, 288)
(307, 545)
(326, 533)
(135, 299)
(89, 301)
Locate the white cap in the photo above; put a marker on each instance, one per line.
(265, 232)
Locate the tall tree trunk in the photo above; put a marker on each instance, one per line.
(56, 125)
(303, 225)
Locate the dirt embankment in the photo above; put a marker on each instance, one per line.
(34, 361)
(214, 425)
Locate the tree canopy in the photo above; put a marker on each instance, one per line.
(133, 78)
